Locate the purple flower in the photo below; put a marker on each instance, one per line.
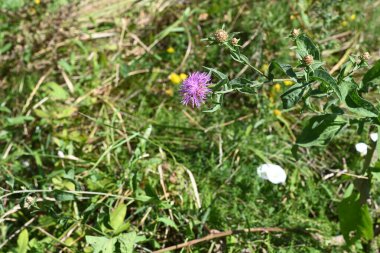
(194, 89)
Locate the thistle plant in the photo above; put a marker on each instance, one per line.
(335, 103)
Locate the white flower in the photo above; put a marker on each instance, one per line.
(61, 154)
(373, 136)
(362, 148)
(274, 173)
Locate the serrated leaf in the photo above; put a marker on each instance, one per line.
(355, 219)
(320, 130)
(101, 244)
(324, 77)
(22, 241)
(372, 74)
(117, 216)
(355, 103)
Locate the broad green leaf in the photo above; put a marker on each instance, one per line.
(101, 244)
(293, 95)
(22, 241)
(284, 68)
(168, 222)
(128, 241)
(320, 130)
(306, 46)
(214, 109)
(244, 85)
(117, 216)
(324, 77)
(355, 219)
(64, 112)
(55, 91)
(372, 74)
(63, 196)
(219, 74)
(19, 120)
(355, 103)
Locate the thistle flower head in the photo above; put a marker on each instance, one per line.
(365, 56)
(295, 32)
(221, 36)
(308, 59)
(234, 41)
(194, 89)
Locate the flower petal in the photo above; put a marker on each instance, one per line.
(274, 173)
(362, 148)
(374, 136)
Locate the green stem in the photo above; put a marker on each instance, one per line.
(364, 185)
(72, 192)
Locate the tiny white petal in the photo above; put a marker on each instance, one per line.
(362, 148)
(274, 173)
(374, 136)
(61, 154)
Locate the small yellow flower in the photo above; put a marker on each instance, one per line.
(265, 67)
(353, 17)
(183, 76)
(344, 23)
(292, 17)
(288, 82)
(169, 92)
(277, 112)
(277, 87)
(37, 1)
(170, 50)
(174, 78)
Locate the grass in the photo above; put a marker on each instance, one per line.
(88, 108)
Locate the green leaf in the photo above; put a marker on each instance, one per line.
(219, 74)
(324, 77)
(56, 92)
(128, 241)
(65, 66)
(306, 46)
(320, 130)
(117, 216)
(101, 244)
(22, 241)
(168, 222)
(284, 68)
(293, 95)
(19, 120)
(372, 74)
(355, 103)
(355, 219)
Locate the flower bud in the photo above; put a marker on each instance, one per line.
(365, 56)
(221, 35)
(234, 41)
(295, 32)
(308, 59)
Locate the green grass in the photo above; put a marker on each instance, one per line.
(106, 104)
